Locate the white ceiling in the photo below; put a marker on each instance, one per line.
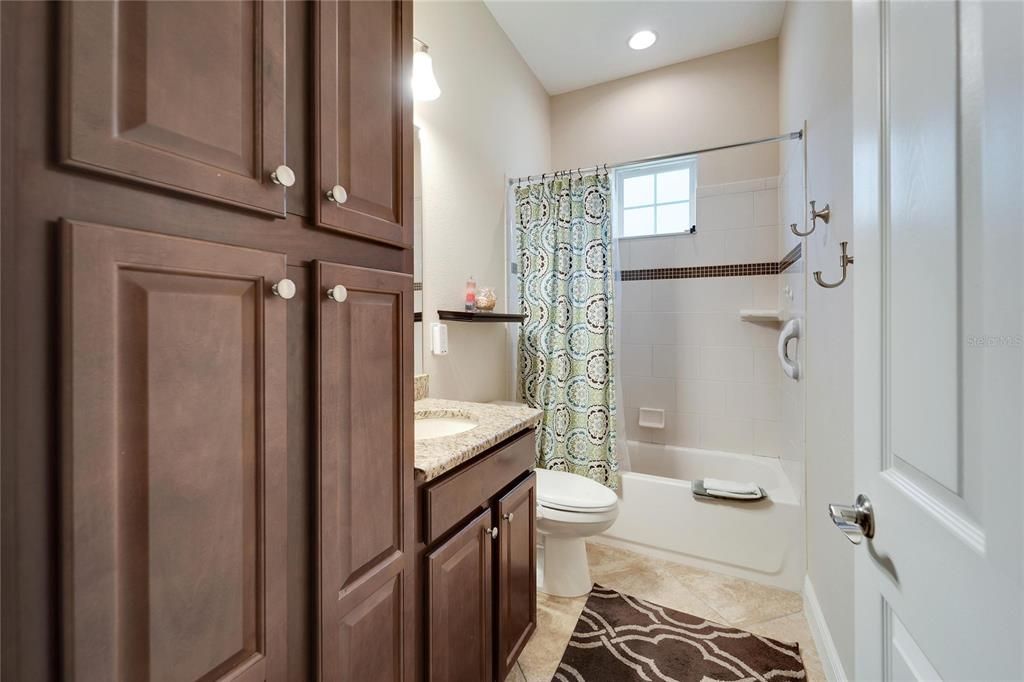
(570, 44)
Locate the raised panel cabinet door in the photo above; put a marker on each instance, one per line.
(459, 605)
(365, 472)
(363, 126)
(184, 96)
(517, 572)
(173, 458)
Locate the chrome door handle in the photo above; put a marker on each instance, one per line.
(856, 522)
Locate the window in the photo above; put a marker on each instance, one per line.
(657, 198)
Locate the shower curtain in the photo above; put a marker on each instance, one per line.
(566, 346)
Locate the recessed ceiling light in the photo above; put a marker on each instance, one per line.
(641, 40)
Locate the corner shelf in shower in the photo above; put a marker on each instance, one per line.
(765, 315)
(478, 316)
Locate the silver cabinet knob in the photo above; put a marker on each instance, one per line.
(856, 522)
(337, 194)
(338, 293)
(493, 532)
(284, 288)
(510, 516)
(283, 175)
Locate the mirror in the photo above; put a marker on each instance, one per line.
(417, 255)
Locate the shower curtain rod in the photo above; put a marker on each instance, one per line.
(796, 135)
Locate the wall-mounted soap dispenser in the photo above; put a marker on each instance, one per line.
(439, 338)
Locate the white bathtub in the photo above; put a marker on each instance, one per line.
(658, 515)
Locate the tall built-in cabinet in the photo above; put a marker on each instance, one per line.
(205, 341)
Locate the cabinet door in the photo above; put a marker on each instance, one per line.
(185, 96)
(517, 573)
(365, 473)
(364, 118)
(459, 598)
(173, 458)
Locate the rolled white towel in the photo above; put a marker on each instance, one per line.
(718, 486)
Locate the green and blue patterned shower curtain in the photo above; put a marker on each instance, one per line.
(566, 284)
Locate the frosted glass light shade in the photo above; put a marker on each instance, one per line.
(424, 85)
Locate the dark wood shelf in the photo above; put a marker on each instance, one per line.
(478, 316)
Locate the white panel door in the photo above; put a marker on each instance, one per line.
(938, 348)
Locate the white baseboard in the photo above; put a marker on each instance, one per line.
(827, 651)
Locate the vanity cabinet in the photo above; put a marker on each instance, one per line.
(480, 575)
(517, 572)
(460, 603)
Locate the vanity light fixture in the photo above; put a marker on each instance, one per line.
(424, 85)
(641, 40)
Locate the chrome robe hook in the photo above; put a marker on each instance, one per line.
(824, 214)
(844, 261)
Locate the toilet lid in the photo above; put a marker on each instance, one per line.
(571, 492)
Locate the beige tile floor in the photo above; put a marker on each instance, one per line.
(732, 601)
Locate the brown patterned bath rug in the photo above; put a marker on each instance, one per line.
(620, 638)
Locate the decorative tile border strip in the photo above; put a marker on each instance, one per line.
(740, 270)
(701, 271)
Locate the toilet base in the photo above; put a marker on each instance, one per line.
(563, 567)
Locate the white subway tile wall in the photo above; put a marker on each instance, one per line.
(685, 349)
(791, 296)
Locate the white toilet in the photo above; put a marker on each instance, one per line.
(570, 508)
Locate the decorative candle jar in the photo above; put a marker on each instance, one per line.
(485, 299)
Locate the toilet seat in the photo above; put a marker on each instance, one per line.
(566, 492)
(575, 517)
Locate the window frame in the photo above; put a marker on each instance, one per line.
(652, 168)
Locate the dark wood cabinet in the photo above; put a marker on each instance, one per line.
(365, 460)
(480, 575)
(202, 479)
(363, 132)
(459, 604)
(517, 572)
(184, 96)
(173, 471)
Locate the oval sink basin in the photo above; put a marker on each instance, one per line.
(438, 427)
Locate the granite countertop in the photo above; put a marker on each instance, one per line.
(435, 456)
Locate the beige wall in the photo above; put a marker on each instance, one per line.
(491, 121)
(815, 84)
(727, 97)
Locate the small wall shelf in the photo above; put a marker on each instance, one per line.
(765, 315)
(478, 316)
